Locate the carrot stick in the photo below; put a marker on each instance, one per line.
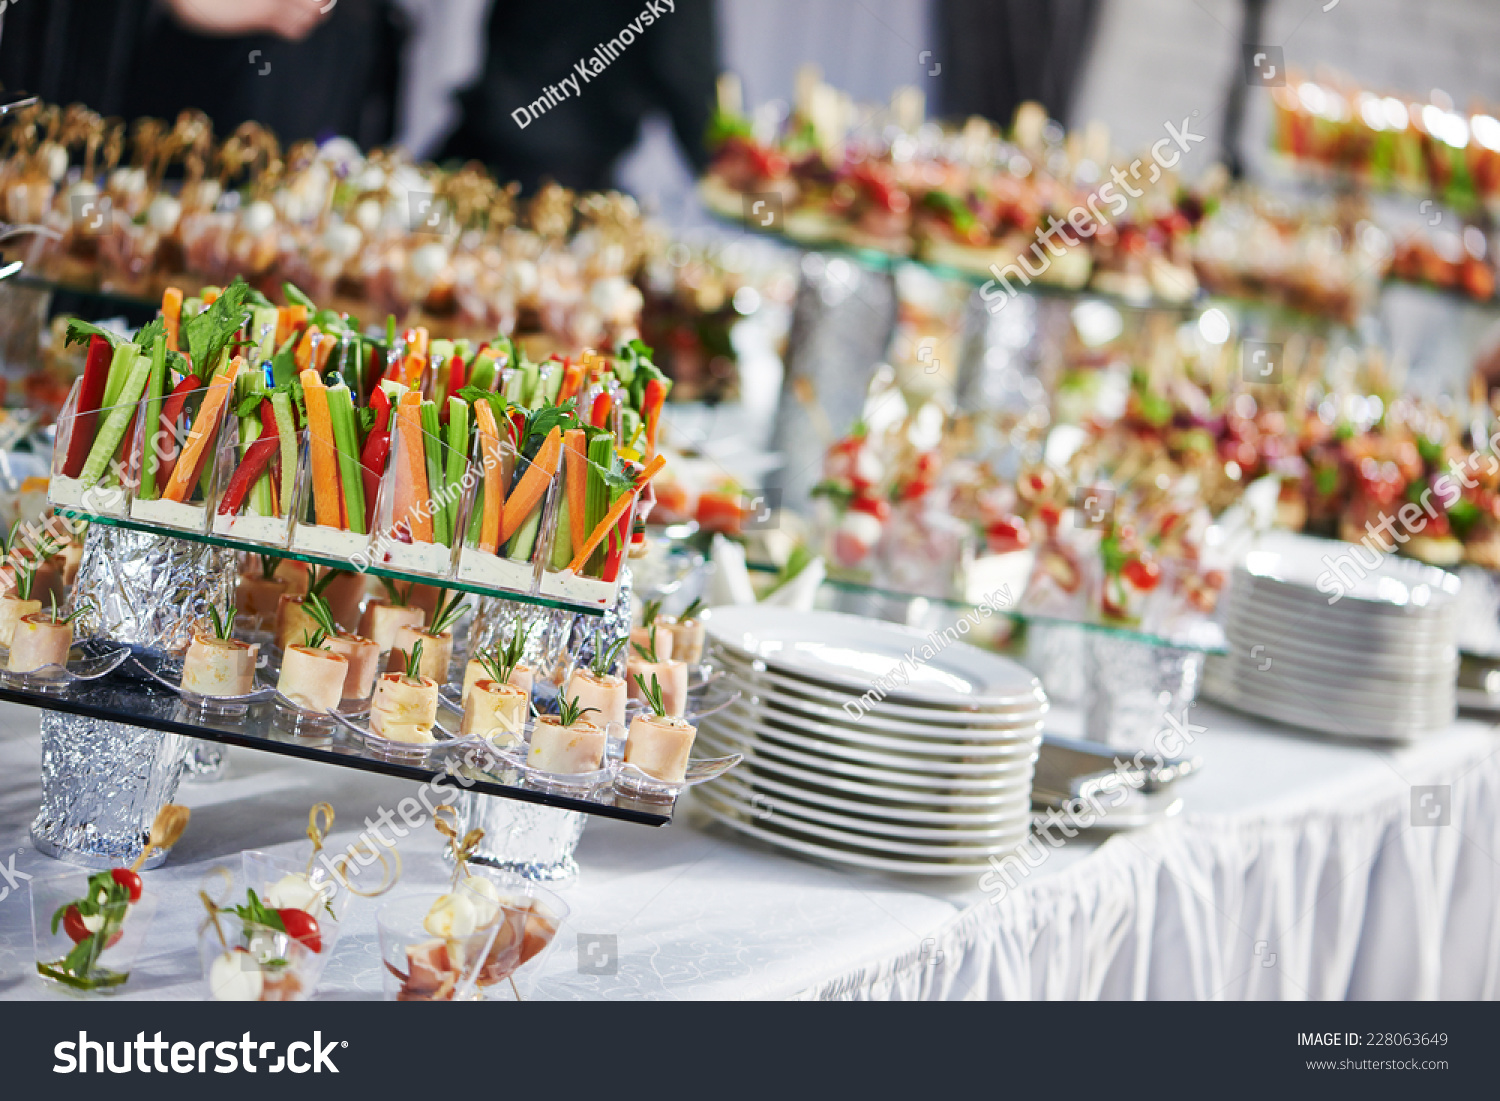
(576, 441)
(533, 485)
(171, 315)
(304, 353)
(185, 473)
(327, 504)
(413, 506)
(616, 510)
(494, 476)
(288, 320)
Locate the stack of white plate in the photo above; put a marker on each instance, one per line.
(1379, 662)
(931, 778)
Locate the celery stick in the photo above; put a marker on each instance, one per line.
(552, 382)
(346, 441)
(152, 428)
(286, 439)
(529, 394)
(457, 456)
(596, 496)
(263, 332)
(482, 373)
(115, 421)
(432, 451)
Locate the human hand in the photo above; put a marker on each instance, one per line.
(291, 19)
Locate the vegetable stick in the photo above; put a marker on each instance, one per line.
(612, 517)
(346, 439)
(116, 418)
(576, 441)
(327, 505)
(185, 473)
(411, 470)
(90, 397)
(494, 476)
(288, 320)
(171, 315)
(532, 486)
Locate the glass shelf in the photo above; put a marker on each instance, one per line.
(332, 562)
(119, 699)
(1207, 636)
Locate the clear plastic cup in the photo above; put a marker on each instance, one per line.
(247, 962)
(88, 953)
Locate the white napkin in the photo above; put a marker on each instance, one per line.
(801, 591)
(730, 581)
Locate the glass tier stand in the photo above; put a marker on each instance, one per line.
(332, 562)
(118, 699)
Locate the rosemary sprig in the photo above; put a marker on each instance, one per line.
(414, 661)
(604, 656)
(648, 653)
(60, 620)
(269, 564)
(319, 584)
(314, 640)
(321, 613)
(394, 596)
(649, 611)
(447, 613)
(653, 695)
(500, 661)
(691, 611)
(568, 711)
(223, 625)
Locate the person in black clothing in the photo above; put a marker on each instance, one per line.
(533, 57)
(306, 69)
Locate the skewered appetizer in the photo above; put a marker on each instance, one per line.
(672, 675)
(659, 742)
(505, 657)
(270, 962)
(596, 688)
(435, 644)
(566, 743)
(405, 705)
(495, 709)
(217, 664)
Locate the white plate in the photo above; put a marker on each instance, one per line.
(1275, 602)
(765, 741)
(1368, 696)
(874, 843)
(762, 806)
(885, 794)
(840, 856)
(1296, 563)
(1360, 728)
(810, 736)
(866, 735)
(1025, 710)
(907, 815)
(850, 652)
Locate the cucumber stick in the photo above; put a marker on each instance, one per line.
(263, 332)
(524, 540)
(562, 538)
(482, 373)
(116, 420)
(155, 388)
(286, 438)
(346, 443)
(456, 459)
(432, 451)
(119, 366)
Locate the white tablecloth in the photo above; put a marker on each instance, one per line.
(1294, 872)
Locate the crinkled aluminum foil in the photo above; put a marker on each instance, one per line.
(526, 838)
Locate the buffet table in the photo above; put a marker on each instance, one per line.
(1293, 872)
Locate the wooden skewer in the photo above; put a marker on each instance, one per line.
(168, 827)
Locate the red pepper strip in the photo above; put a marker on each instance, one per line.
(127, 442)
(456, 377)
(166, 438)
(90, 397)
(372, 457)
(517, 427)
(257, 457)
(619, 543)
(651, 403)
(599, 415)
